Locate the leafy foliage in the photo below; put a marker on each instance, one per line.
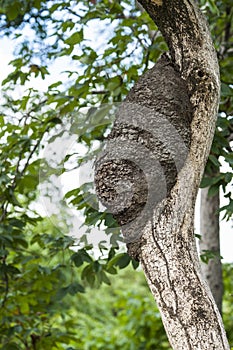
(118, 318)
(227, 301)
(44, 271)
(115, 317)
(220, 18)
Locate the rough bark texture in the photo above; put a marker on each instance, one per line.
(146, 148)
(209, 227)
(149, 172)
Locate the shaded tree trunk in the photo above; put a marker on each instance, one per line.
(209, 227)
(150, 169)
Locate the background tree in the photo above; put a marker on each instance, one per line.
(95, 75)
(221, 150)
(210, 250)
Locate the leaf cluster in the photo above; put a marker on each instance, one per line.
(43, 269)
(220, 15)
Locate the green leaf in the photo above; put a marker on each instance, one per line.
(88, 58)
(114, 83)
(226, 90)
(214, 160)
(28, 183)
(75, 288)
(208, 181)
(109, 220)
(89, 275)
(205, 182)
(228, 177)
(105, 279)
(24, 307)
(24, 102)
(77, 259)
(121, 260)
(213, 190)
(75, 38)
(9, 269)
(112, 270)
(135, 264)
(72, 193)
(55, 120)
(80, 257)
(207, 255)
(54, 85)
(12, 12)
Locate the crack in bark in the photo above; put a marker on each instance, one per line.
(210, 302)
(176, 311)
(167, 268)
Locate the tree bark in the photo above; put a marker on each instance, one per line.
(209, 229)
(150, 169)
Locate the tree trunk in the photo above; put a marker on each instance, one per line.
(150, 169)
(209, 227)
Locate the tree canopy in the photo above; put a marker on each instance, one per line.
(105, 46)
